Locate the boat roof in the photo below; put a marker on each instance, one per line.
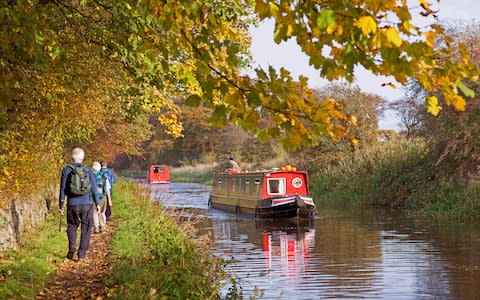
(258, 172)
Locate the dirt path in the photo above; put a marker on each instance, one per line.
(85, 279)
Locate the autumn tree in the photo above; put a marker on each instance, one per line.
(354, 102)
(57, 59)
(453, 136)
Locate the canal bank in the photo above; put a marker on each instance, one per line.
(150, 255)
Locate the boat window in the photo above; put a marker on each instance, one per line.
(276, 186)
(158, 170)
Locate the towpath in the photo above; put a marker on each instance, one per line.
(83, 279)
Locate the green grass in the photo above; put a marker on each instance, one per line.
(397, 174)
(201, 173)
(24, 271)
(153, 257)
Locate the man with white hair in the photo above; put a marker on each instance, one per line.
(77, 184)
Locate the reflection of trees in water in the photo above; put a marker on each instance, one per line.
(453, 256)
(350, 252)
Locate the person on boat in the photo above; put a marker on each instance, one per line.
(234, 167)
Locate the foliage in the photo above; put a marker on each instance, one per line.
(398, 174)
(378, 174)
(378, 35)
(454, 146)
(90, 72)
(364, 106)
(153, 257)
(201, 173)
(24, 271)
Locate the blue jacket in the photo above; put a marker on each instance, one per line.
(72, 199)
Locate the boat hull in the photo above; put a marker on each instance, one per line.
(158, 181)
(282, 207)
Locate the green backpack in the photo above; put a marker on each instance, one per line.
(79, 181)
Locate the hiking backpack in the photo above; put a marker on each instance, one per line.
(100, 179)
(79, 181)
(107, 172)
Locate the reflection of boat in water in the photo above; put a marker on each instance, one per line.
(264, 194)
(284, 247)
(158, 173)
(289, 250)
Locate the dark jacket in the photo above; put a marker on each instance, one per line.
(73, 199)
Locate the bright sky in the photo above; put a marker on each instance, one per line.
(287, 54)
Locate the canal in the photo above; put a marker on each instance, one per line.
(343, 254)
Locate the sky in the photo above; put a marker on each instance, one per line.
(266, 52)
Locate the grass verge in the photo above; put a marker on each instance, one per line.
(201, 173)
(396, 174)
(24, 271)
(153, 257)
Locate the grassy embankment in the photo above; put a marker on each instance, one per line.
(397, 174)
(151, 255)
(199, 173)
(25, 270)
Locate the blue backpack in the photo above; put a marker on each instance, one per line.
(107, 172)
(100, 180)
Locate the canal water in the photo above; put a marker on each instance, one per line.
(343, 254)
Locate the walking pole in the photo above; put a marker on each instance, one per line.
(60, 223)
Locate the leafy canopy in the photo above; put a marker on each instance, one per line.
(59, 54)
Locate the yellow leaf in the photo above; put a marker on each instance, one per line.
(339, 131)
(393, 36)
(432, 106)
(289, 30)
(331, 28)
(354, 141)
(424, 4)
(458, 103)
(353, 120)
(408, 26)
(430, 35)
(367, 24)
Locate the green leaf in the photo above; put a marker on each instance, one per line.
(219, 115)
(465, 89)
(327, 17)
(193, 100)
(263, 135)
(253, 99)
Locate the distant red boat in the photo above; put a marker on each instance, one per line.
(264, 194)
(158, 173)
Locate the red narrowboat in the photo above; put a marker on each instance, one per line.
(158, 173)
(264, 194)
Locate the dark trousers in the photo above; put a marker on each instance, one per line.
(79, 215)
(108, 211)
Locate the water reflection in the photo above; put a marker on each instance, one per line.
(345, 254)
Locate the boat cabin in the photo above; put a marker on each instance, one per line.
(158, 173)
(263, 194)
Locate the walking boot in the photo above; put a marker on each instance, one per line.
(71, 253)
